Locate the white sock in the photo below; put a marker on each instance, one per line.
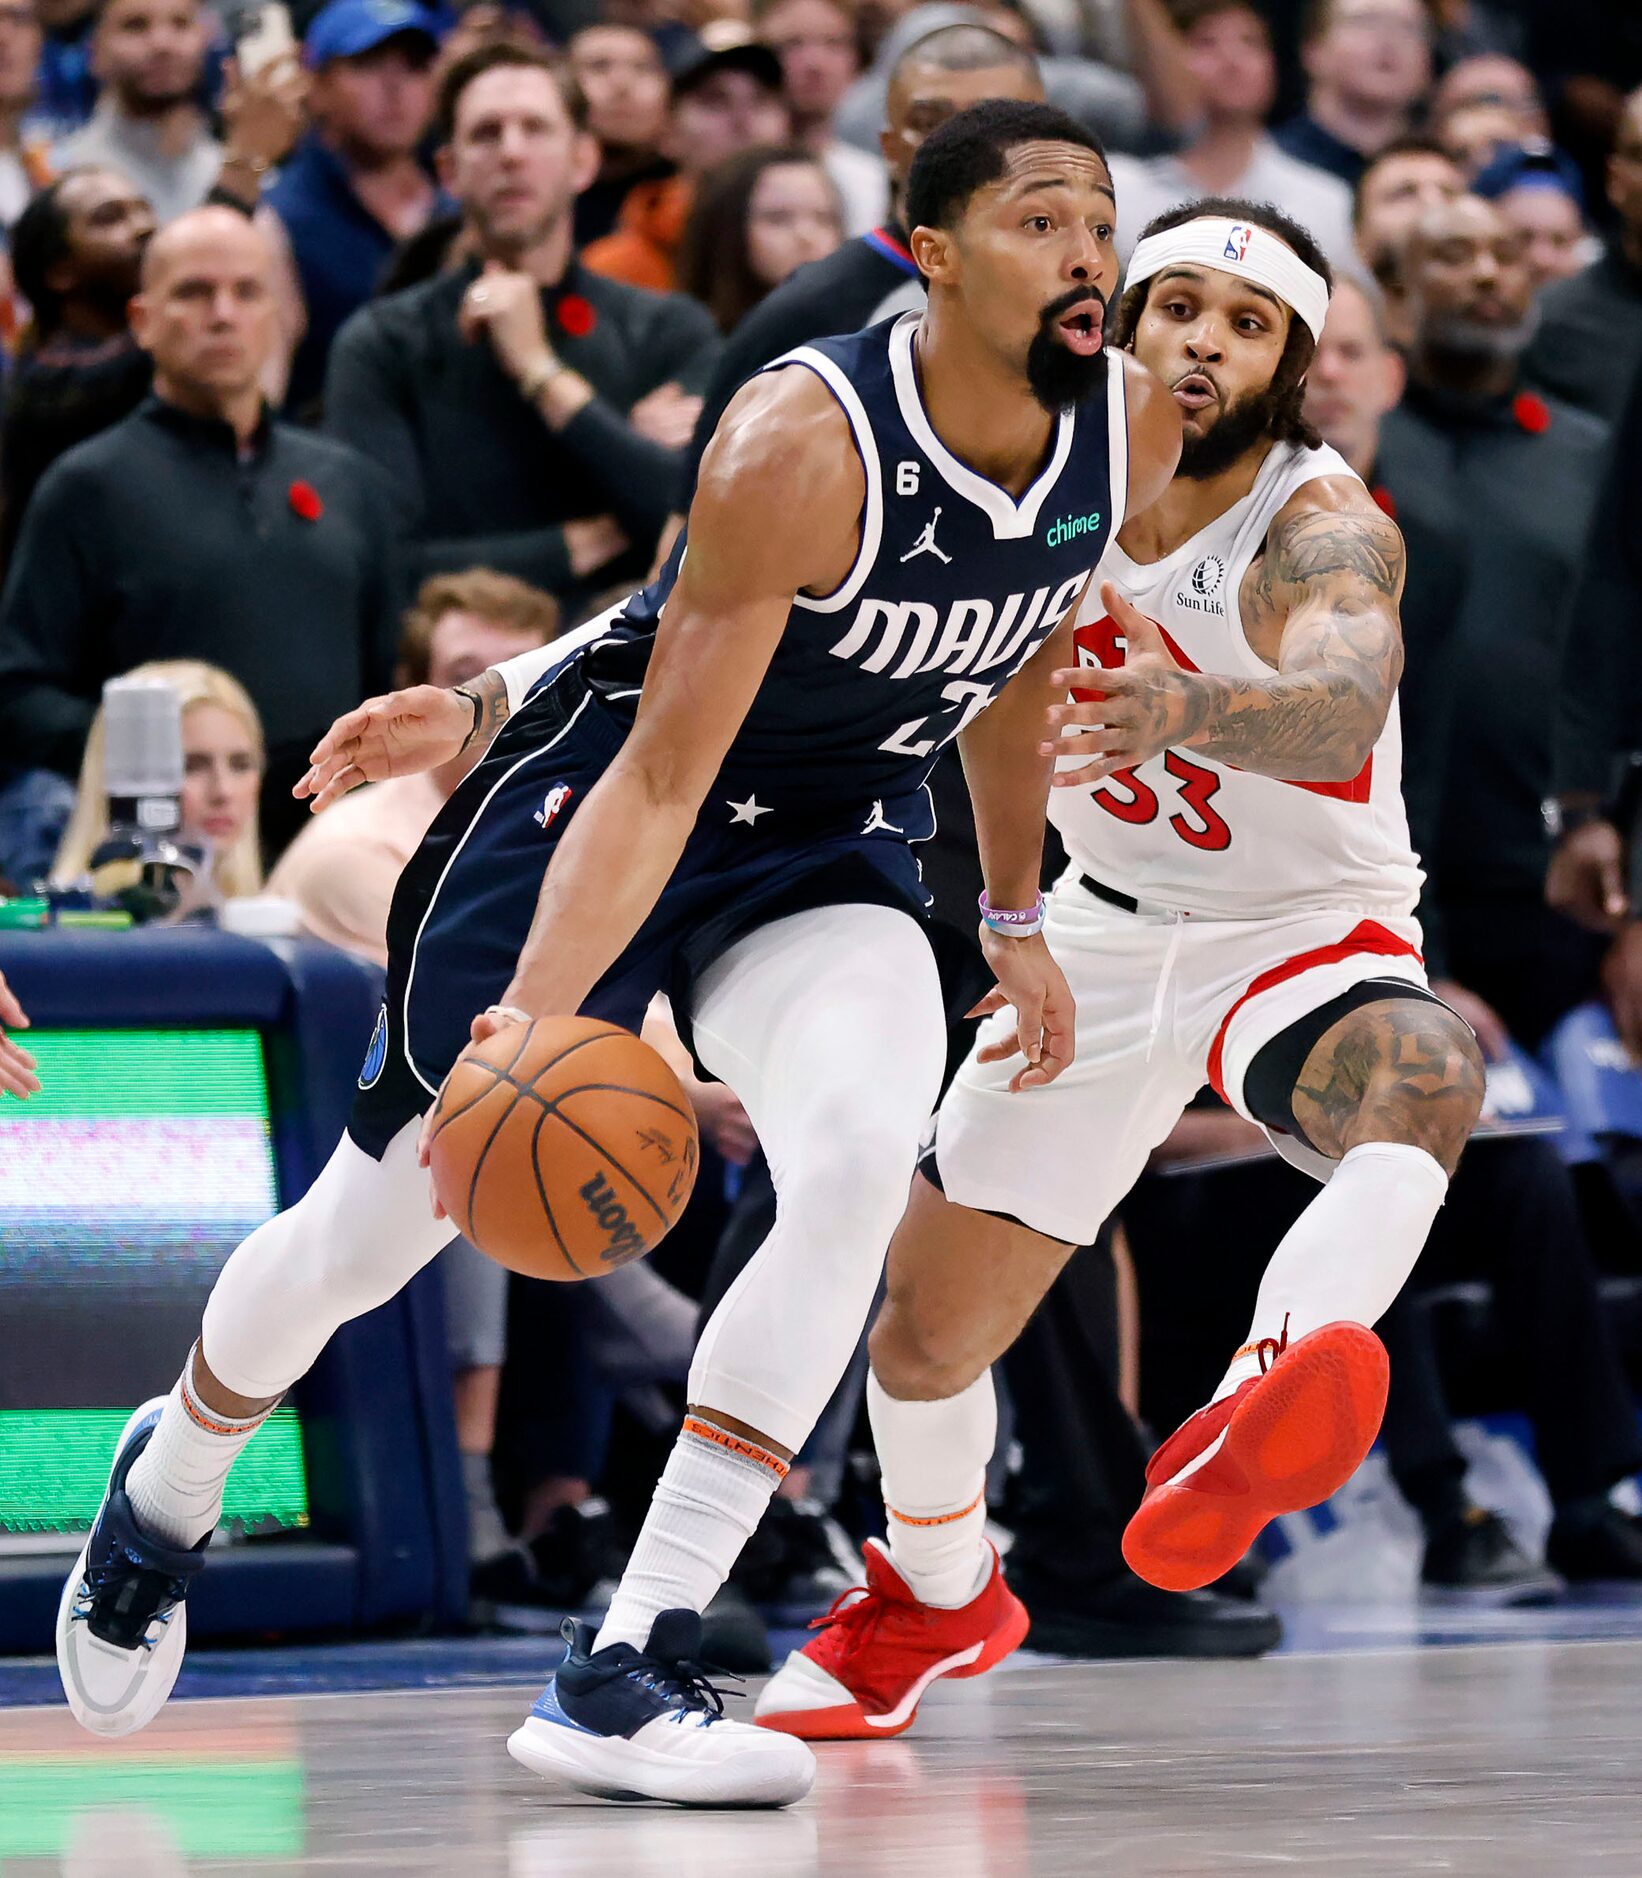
(1350, 1252)
(176, 1483)
(933, 1457)
(711, 1495)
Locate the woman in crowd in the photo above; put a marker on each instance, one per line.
(756, 218)
(222, 773)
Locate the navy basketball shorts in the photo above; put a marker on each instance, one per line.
(465, 901)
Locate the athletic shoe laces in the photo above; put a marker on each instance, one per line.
(686, 1684)
(1276, 1345)
(120, 1600)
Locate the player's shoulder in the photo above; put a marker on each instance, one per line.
(1154, 427)
(1316, 480)
(784, 421)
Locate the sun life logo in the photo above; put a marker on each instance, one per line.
(1208, 574)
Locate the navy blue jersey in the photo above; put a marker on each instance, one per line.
(954, 586)
(821, 798)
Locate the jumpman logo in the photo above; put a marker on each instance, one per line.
(877, 819)
(925, 544)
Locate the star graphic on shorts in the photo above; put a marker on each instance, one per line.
(748, 811)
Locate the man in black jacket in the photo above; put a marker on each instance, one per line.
(1083, 1466)
(529, 413)
(200, 528)
(1590, 334)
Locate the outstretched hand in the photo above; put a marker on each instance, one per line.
(397, 735)
(1143, 706)
(1032, 984)
(17, 1065)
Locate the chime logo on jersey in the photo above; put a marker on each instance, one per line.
(1237, 242)
(903, 638)
(1069, 527)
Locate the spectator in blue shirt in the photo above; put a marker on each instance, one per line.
(355, 187)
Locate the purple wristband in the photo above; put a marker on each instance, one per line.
(1018, 923)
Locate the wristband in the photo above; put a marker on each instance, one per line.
(509, 1010)
(1021, 923)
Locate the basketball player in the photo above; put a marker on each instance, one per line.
(1238, 911)
(722, 796)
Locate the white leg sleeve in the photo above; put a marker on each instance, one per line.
(359, 1234)
(1350, 1252)
(828, 1025)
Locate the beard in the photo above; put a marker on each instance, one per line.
(1458, 337)
(1061, 379)
(1242, 424)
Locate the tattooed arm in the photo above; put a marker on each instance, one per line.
(1322, 598)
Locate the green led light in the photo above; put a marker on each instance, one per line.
(145, 1072)
(97, 1804)
(54, 1469)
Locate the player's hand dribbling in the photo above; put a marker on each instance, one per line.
(1144, 707)
(17, 1065)
(398, 735)
(1031, 983)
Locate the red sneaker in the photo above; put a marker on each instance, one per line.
(880, 1649)
(1284, 1440)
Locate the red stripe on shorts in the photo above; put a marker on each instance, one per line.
(1370, 938)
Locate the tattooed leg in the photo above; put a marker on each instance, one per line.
(1403, 1071)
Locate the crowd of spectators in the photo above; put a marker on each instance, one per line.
(381, 340)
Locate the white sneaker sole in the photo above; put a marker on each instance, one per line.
(615, 1768)
(115, 1692)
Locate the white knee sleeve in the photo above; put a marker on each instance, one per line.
(359, 1234)
(829, 1027)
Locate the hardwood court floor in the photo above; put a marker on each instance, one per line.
(1493, 1759)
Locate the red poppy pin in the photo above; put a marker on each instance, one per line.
(576, 316)
(1533, 414)
(305, 502)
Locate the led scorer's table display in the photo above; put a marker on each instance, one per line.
(124, 1186)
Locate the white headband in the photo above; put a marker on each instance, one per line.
(1241, 248)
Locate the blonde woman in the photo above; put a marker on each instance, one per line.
(222, 775)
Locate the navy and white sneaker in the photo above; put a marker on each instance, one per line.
(121, 1625)
(648, 1725)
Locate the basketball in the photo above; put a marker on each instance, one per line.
(563, 1149)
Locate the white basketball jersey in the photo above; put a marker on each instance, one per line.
(1199, 836)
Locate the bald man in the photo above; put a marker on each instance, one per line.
(200, 527)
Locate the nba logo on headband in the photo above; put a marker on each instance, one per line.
(1237, 242)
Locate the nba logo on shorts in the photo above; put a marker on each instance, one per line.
(376, 1057)
(555, 800)
(1237, 242)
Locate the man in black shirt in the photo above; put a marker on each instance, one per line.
(1471, 458)
(76, 255)
(1083, 1469)
(1590, 335)
(200, 528)
(507, 403)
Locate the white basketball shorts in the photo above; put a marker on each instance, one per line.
(1165, 1003)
